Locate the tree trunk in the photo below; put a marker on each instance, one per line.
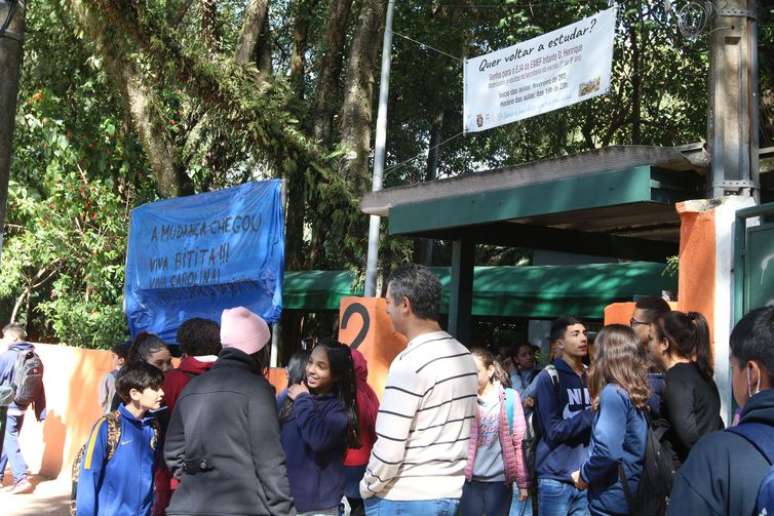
(433, 157)
(11, 52)
(330, 68)
(357, 109)
(210, 24)
(252, 26)
(139, 100)
(264, 49)
(636, 87)
(303, 14)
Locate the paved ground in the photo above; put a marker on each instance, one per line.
(51, 498)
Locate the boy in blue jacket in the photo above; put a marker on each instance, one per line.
(116, 473)
(563, 408)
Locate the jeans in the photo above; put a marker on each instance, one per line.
(11, 451)
(485, 499)
(519, 508)
(561, 499)
(376, 506)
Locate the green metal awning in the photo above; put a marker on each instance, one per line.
(315, 291)
(537, 292)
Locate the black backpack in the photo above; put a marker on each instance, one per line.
(534, 430)
(27, 377)
(652, 495)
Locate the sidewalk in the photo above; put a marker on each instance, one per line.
(51, 498)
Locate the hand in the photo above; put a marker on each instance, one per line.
(578, 481)
(295, 390)
(529, 402)
(523, 495)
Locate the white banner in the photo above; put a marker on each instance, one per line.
(548, 72)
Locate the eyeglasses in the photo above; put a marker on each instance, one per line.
(634, 322)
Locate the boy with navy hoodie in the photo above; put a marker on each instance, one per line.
(122, 485)
(563, 407)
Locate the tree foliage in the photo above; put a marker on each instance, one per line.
(126, 102)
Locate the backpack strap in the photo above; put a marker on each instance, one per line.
(553, 374)
(759, 435)
(113, 433)
(510, 401)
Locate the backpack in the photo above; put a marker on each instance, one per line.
(760, 436)
(113, 420)
(27, 377)
(655, 485)
(534, 430)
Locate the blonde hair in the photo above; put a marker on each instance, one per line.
(619, 359)
(487, 358)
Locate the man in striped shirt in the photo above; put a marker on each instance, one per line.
(417, 465)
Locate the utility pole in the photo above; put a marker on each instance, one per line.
(12, 17)
(374, 222)
(733, 124)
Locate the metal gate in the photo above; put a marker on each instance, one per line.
(753, 260)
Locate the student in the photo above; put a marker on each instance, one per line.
(148, 348)
(524, 370)
(430, 397)
(296, 371)
(564, 417)
(691, 401)
(619, 389)
(223, 441)
(495, 457)
(724, 470)
(107, 385)
(199, 341)
(35, 395)
(646, 311)
(320, 427)
(356, 459)
(123, 485)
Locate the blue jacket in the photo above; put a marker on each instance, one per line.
(564, 413)
(724, 470)
(122, 486)
(314, 439)
(7, 366)
(617, 437)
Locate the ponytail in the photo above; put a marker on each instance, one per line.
(488, 359)
(702, 344)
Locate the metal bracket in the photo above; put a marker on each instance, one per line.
(738, 13)
(11, 35)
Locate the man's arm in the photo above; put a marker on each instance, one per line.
(549, 410)
(402, 396)
(174, 444)
(268, 456)
(91, 471)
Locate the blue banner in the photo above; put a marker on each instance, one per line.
(194, 256)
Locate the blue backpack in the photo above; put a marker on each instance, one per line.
(761, 436)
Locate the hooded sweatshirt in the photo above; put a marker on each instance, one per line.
(724, 470)
(565, 419)
(7, 367)
(314, 439)
(367, 408)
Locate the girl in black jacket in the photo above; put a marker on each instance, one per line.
(691, 400)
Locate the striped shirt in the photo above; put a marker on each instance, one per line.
(423, 426)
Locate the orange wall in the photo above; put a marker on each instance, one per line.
(378, 341)
(71, 376)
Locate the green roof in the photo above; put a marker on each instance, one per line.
(536, 292)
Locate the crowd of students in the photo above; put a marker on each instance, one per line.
(607, 427)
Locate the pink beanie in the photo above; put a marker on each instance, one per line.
(243, 330)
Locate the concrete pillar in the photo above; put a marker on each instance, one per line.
(706, 277)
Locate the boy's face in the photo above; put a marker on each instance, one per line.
(525, 357)
(118, 362)
(148, 399)
(574, 342)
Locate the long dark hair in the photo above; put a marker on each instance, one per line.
(343, 374)
(688, 337)
(619, 359)
(296, 374)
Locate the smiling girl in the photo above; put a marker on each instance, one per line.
(319, 428)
